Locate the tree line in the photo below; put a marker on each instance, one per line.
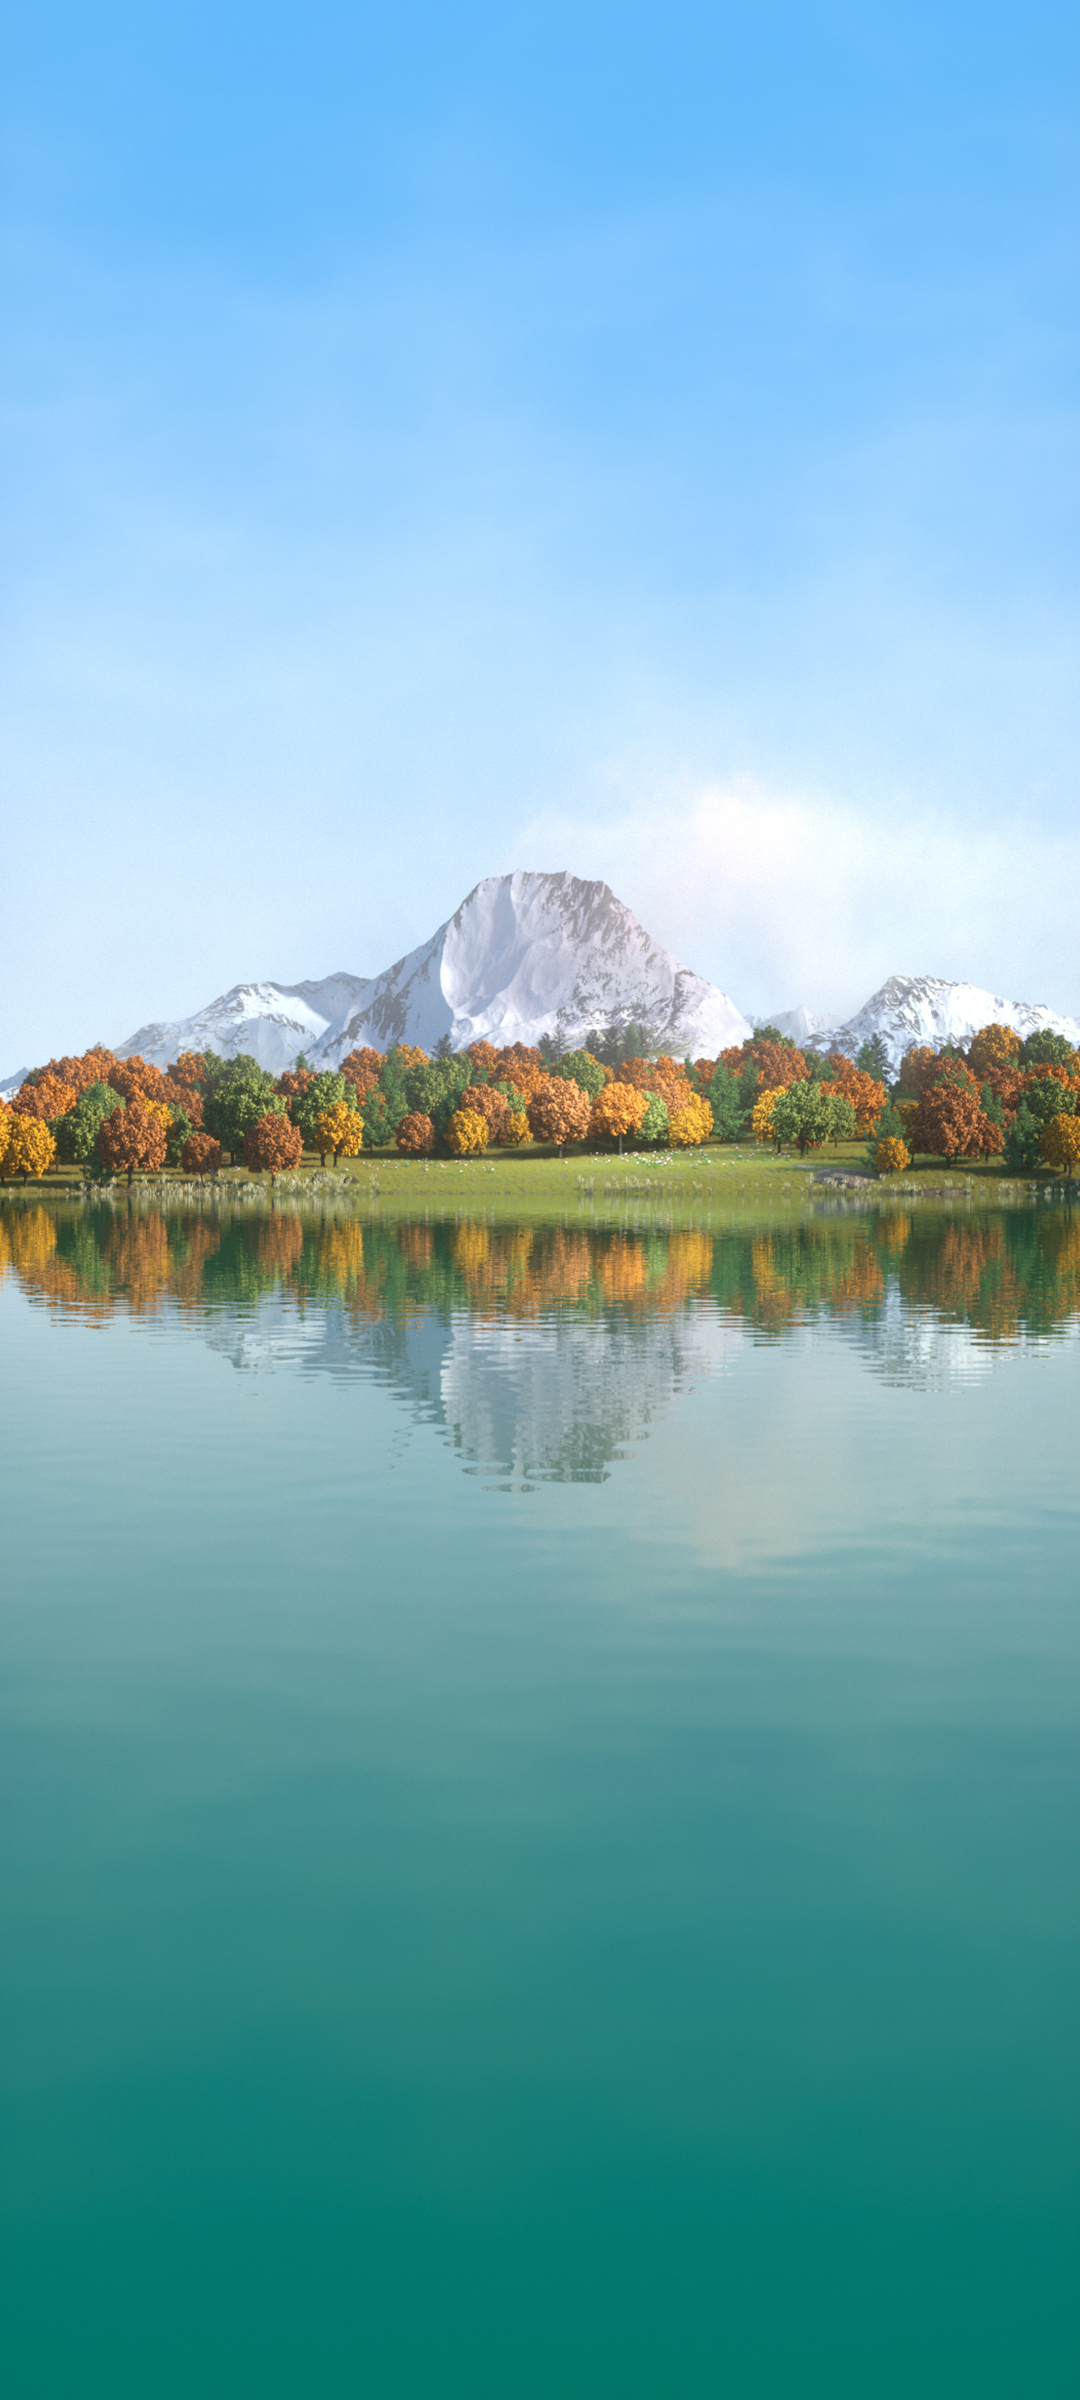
(106, 1116)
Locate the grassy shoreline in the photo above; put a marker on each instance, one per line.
(735, 1178)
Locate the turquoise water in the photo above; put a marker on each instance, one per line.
(540, 1831)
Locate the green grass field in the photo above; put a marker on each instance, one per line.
(736, 1179)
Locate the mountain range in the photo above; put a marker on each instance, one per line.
(529, 956)
(524, 957)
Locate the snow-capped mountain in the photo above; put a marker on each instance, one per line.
(524, 956)
(913, 1009)
(268, 1021)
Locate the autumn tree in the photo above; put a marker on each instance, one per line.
(559, 1111)
(690, 1125)
(340, 1129)
(323, 1092)
(993, 1047)
(48, 1097)
(867, 1096)
(891, 1156)
(761, 1124)
(201, 1155)
(617, 1110)
(1059, 1143)
(272, 1144)
(131, 1140)
(362, 1069)
(416, 1135)
(949, 1121)
(467, 1132)
(916, 1067)
(30, 1148)
(488, 1102)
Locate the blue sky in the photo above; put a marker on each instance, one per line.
(441, 441)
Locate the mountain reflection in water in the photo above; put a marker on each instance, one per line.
(544, 1351)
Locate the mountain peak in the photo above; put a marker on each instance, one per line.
(524, 956)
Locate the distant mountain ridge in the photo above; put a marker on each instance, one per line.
(525, 956)
(913, 1009)
(534, 955)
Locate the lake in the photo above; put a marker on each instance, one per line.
(541, 1845)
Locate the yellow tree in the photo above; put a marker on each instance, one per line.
(1060, 1144)
(467, 1131)
(892, 1156)
(30, 1148)
(993, 1046)
(761, 1124)
(690, 1125)
(341, 1130)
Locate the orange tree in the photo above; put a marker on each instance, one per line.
(559, 1112)
(616, 1111)
(132, 1138)
(340, 1129)
(466, 1132)
(867, 1097)
(892, 1155)
(415, 1135)
(201, 1155)
(916, 1068)
(48, 1097)
(271, 1144)
(690, 1125)
(950, 1121)
(486, 1102)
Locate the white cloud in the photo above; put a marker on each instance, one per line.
(783, 897)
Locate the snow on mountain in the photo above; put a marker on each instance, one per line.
(524, 956)
(269, 1021)
(913, 1009)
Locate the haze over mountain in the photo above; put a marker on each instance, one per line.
(525, 956)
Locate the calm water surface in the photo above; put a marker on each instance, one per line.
(540, 1833)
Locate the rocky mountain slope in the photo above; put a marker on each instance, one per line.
(524, 956)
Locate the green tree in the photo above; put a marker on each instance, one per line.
(654, 1124)
(435, 1089)
(889, 1128)
(1047, 1049)
(76, 1134)
(808, 1116)
(725, 1098)
(873, 1059)
(1022, 1141)
(577, 1067)
(1048, 1098)
(239, 1095)
(325, 1091)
